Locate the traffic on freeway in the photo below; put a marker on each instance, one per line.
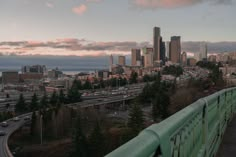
(7, 128)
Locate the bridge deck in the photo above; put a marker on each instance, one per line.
(228, 145)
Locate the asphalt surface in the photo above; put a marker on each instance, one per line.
(13, 126)
(228, 144)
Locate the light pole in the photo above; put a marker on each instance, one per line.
(41, 129)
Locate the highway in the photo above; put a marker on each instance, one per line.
(12, 127)
(128, 94)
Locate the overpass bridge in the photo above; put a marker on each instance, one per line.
(195, 131)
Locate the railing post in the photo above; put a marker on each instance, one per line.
(205, 126)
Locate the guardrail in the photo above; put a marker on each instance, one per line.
(195, 131)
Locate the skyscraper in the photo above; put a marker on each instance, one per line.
(110, 62)
(203, 51)
(156, 43)
(184, 59)
(135, 57)
(148, 57)
(175, 49)
(162, 51)
(121, 60)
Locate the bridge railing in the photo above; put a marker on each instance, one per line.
(195, 131)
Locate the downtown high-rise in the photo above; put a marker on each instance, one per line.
(175, 49)
(156, 43)
(136, 57)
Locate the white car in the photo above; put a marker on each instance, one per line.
(16, 119)
(4, 124)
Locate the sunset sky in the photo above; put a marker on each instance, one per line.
(98, 27)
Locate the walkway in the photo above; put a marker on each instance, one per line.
(228, 145)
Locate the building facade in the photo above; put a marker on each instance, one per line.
(148, 57)
(11, 77)
(121, 60)
(184, 59)
(175, 49)
(156, 43)
(135, 57)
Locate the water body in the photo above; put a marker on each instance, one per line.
(67, 64)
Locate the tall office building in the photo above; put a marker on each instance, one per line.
(156, 43)
(167, 49)
(110, 62)
(121, 60)
(33, 69)
(148, 57)
(184, 59)
(162, 51)
(175, 49)
(203, 51)
(135, 57)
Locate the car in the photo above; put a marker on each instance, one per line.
(2, 133)
(4, 124)
(16, 119)
(26, 118)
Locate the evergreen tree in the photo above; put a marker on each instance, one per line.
(136, 118)
(61, 97)
(97, 142)
(33, 123)
(146, 94)
(34, 103)
(44, 102)
(80, 140)
(21, 105)
(54, 99)
(87, 85)
(73, 95)
(161, 103)
(133, 77)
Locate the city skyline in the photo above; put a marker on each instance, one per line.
(32, 27)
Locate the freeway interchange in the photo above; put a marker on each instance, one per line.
(96, 100)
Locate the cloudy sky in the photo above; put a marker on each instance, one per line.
(98, 27)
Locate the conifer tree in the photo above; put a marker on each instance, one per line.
(34, 105)
(136, 118)
(21, 105)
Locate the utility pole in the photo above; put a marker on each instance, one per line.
(41, 129)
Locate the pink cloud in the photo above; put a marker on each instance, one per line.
(174, 3)
(49, 5)
(80, 9)
(93, 0)
(165, 3)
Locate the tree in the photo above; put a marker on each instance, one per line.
(34, 105)
(61, 97)
(161, 103)
(33, 123)
(96, 142)
(136, 118)
(133, 77)
(146, 78)
(87, 84)
(21, 105)
(146, 94)
(80, 140)
(54, 99)
(73, 95)
(44, 102)
(77, 84)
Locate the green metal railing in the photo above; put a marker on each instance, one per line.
(195, 131)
